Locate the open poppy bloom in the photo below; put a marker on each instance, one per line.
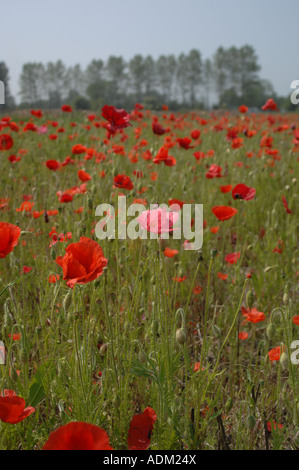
(163, 156)
(12, 408)
(83, 262)
(66, 108)
(123, 181)
(158, 220)
(270, 105)
(169, 253)
(9, 236)
(253, 315)
(158, 129)
(241, 191)
(78, 436)
(275, 353)
(295, 320)
(84, 176)
(6, 142)
(224, 212)
(232, 258)
(141, 429)
(52, 165)
(117, 118)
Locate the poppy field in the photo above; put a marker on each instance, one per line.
(143, 344)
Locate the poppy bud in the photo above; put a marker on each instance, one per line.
(271, 330)
(251, 421)
(155, 327)
(249, 299)
(180, 336)
(103, 349)
(14, 375)
(285, 298)
(229, 404)
(90, 203)
(67, 301)
(115, 172)
(214, 253)
(153, 280)
(23, 355)
(284, 361)
(53, 254)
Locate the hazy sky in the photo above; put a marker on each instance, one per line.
(79, 31)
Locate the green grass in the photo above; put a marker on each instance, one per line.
(124, 325)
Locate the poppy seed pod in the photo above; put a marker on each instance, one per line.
(67, 301)
(249, 299)
(104, 349)
(180, 336)
(90, 203)
(271, 330)
(14, 375)
(284, 361)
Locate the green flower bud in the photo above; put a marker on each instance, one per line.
(180, 336)
(249, 299)
(251, 422)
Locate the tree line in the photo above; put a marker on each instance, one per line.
(187, 81)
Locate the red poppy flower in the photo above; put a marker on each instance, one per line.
(253, 315)
(226, 189)
(222, 276)
(214, 172)
(78, 436)
(78, 149)
(12, 408)
(243, 109)
(123, 181)
(66, 108)
(158, 129)
(275, 426)
(9, 236)
(296, 320)
(117, 118)
(224, 212)
(52, 164)
(185, 143)
(232, 258)
(83, 262)
(241, 191)
(141, 429)
(169, 253)
(284, 201)
(162, 156)
(6, 142)
(195, 134)
(83, 176)
(275, 353)
(243, 335)
(270, 105)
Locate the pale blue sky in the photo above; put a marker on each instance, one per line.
(79, 31)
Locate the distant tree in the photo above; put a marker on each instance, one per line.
(150, 78)
(32, 83)
(94, 72)
(4, 77)
(193, 75)
(116, 69)
(207, 81)
(220, 71)
(56, 80)
(137, 76)
(166, 67)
